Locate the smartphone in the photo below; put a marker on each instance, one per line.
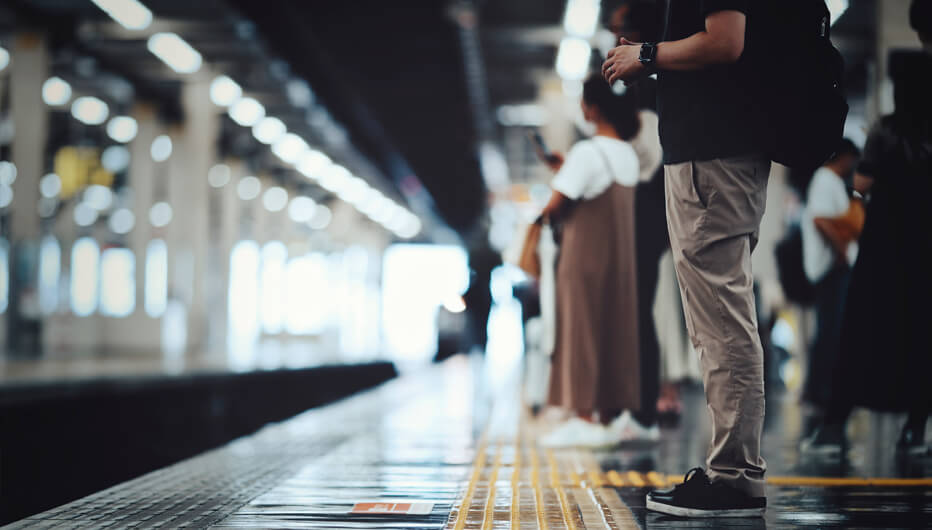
(541, 146)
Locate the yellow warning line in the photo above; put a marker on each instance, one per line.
(848, 481)
(555, 483)
(490, 502)
(636, 480)
(471, 488)
(538, 495)
(656, 479)
(614, 478)
(515, 482)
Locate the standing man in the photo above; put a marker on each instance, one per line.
(716, 187)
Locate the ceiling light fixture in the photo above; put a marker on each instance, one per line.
(224, 91)
(573, 58)
(122, 129)
(269, 130)
(246, 111)
(55, 91)
(90, 110)
(290, 147)
(129, 13)
(581, 18)
(161, 148)
(175, 52)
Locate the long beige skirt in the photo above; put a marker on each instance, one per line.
(596, 360)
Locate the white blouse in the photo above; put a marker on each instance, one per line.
(592, 165)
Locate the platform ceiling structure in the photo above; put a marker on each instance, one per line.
(415, 84)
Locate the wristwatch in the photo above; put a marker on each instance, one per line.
(648, 55)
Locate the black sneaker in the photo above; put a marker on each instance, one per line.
(699, 497)
(827, 440)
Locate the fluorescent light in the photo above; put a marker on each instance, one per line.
(122, 221)
(115, 158)
(175, 52)
(90, 110)
(6, 196)
(218, 176)
(321, 219)
(384, 210)
(269, 130)
(55, 91)
(275, 199)
(301, 209)
(312, 162)
(224, 91)
(370, 203)
(354, 191)
(161, 148)
(573, 58)
(84, 215)
(160, 214)
(836, 9)
(50, 185)
(248, 188)
(4, 58)
(122, 129)
(129, 13)
(247, 111)
(334, 177)
(410, 228)
(581, 17)
(98, 197)
(7, 173)
(289, 148)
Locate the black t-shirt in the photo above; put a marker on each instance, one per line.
(704, 114)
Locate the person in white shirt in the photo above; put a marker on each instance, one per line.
(827, 260)
(596, 359)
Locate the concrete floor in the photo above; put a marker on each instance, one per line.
(443, 448)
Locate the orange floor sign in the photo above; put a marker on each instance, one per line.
(389, 508)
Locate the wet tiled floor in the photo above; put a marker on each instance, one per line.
(441, 449)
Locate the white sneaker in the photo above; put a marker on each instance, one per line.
(625, 428)
(577, 432)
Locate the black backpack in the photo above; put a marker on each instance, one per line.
(797, 78)
(790, 269)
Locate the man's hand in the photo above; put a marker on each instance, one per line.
(622, 63)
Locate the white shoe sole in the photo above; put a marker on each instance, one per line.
(679, 511)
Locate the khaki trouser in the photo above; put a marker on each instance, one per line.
(714, 210)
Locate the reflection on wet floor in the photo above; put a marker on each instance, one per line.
(441, 449)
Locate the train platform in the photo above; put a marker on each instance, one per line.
(446, 448)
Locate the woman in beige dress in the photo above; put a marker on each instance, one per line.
(595, 373)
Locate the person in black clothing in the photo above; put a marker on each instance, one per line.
(716, 182)
(884, 361)
(637, 20)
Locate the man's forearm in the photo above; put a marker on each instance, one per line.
(722, 42)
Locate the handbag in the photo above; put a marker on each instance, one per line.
(529, 261)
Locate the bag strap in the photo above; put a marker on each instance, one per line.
(608, 164)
